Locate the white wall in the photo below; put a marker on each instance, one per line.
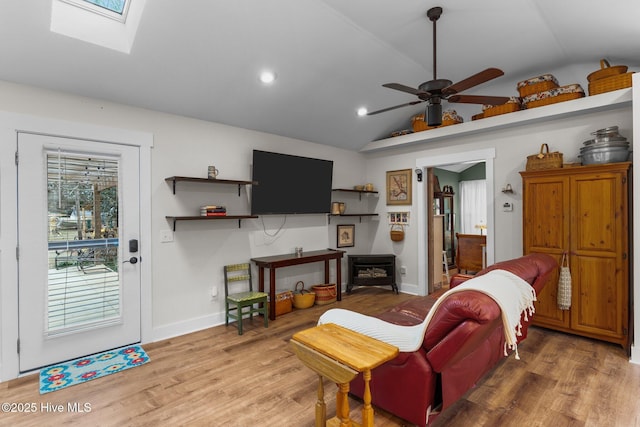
(512, 146)
(186, 270)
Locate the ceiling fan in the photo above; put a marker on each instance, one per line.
(434, 91)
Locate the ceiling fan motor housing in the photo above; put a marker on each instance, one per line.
(434, 114)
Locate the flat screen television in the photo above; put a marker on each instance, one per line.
(290, 184)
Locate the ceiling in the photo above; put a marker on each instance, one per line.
(201, 58)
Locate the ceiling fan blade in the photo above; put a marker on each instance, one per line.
(476, 79)
(393, 108)
(407, 89)
(479, 99)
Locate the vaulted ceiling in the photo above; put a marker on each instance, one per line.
(201, 58)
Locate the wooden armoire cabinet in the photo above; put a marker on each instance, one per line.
(585, 212)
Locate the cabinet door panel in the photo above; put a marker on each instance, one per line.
(546, 225)
(547, 312)
(597, 296)
(546, 215)
(595, 215)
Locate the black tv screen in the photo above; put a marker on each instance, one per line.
(290, 184)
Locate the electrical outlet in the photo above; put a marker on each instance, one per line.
(214, 292)
(403, 269)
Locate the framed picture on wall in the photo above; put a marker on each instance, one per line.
(399, 187)
(346, 235)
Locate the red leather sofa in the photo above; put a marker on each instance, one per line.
(464, 341)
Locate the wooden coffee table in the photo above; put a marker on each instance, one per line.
(340, 354)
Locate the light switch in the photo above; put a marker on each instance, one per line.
(166, 236)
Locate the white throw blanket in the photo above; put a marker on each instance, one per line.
(513, 295)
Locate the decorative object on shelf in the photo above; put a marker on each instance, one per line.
(325, 294)
(401, 132)
(609, 84)
(399, 187)
(607, 146)
(342, 208)
(303, 298)
(397, 232)
(358, 187)
(212, 172)
(513, 104)
(544, 159)
(606, 71)
(537, 84)
(368, 186)
(346, 234)
(449, 117)
(335, 208)
(552, 96)
(213, 210)
(398, 218)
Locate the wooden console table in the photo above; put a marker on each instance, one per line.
(277, 261)
(340, 354)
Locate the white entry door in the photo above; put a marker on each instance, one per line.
(78, 231)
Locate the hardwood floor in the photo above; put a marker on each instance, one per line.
(215, 377)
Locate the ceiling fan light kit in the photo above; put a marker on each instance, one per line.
(434, 91)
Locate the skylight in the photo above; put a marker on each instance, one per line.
(108, 23)
(116, 6)
(115, 9)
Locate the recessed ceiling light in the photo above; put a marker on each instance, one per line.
(362, 111)
(267, 77)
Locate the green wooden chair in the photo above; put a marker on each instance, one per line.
(235, 302)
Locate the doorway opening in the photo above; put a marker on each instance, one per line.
(430, 255)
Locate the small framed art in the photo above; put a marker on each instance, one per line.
(346, 234)
(399, 187)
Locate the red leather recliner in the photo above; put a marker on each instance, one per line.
(464, 341)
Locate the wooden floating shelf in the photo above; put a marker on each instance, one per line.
(353, 215)
(175, 219)
(239, 183)
(603, 102)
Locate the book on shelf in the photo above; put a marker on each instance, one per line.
(213, 210)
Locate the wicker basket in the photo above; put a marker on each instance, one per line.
(555, 99)
(497, 110)
(325, 294)
(302, 299)
(537, 88)
(544, 159)
(608, 84)
(284, 301)
(418, 124)
(606, 71)
(397, 232)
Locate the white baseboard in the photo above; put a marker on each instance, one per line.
(186, 327)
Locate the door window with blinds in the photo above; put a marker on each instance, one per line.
(82, 206)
